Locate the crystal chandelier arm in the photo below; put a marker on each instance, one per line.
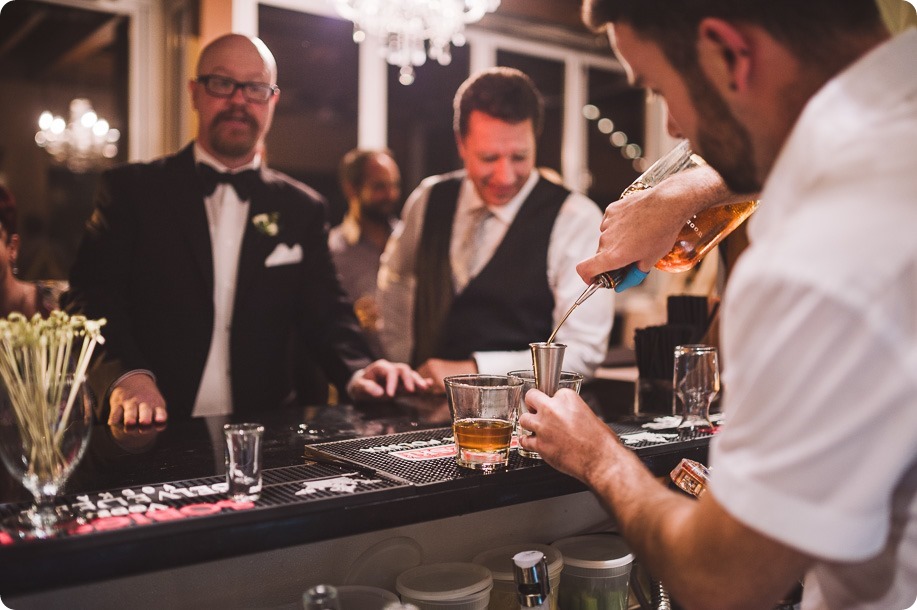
(409, 30)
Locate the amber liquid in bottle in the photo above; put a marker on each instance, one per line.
(691, 476)
(694, 242)
(699, 236)
(701, 233)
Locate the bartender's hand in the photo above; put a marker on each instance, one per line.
(643, 226)
(136, 400)
(383, 378)
(135, 439)
(567, 434)
(437, 369)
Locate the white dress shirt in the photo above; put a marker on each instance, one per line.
(819, 449)
(226, 217)
(573, 238)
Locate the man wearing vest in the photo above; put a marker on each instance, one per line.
(484, 262)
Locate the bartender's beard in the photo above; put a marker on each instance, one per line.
(721, 140)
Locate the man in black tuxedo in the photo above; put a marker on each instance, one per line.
(213, 270)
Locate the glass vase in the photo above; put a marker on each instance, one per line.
(44, 430)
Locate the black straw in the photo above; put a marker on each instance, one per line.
(654, 347)
(689, 309)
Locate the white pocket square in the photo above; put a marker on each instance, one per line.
(284, 255)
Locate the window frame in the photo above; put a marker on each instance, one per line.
(373, 84)
(145, 98)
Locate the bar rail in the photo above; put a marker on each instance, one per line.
(152, 499)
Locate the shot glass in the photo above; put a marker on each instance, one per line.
(484, 411)
(568, 379)
(243, 461)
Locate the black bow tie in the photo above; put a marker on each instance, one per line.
(244, 182)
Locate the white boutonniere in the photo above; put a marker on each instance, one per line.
(267, 223)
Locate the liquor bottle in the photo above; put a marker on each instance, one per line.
(691, 477)
(533, 588)
(700, 234)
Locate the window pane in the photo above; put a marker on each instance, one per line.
(548, 76)
(315, 122)
(615, 118)
(51, 55)
(420, 118)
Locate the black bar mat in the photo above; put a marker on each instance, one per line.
(150, 505)
(427, 457)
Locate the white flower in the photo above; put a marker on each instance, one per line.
(267, 223)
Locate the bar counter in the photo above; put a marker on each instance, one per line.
(158, 530)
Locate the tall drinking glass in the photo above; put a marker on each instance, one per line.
(696, 383)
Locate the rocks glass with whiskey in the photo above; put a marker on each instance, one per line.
(484, 411)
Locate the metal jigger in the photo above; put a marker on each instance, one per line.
(547, 359)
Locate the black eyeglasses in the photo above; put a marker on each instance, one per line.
(223, 86)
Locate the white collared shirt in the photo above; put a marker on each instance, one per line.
(226, 218)
(819, 449)
(489, 237)
(573, 238)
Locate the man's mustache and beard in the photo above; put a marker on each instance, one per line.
(379, 213)
(721, 140)
(233, 142)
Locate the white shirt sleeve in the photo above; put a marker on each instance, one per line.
(820, 421)
(586, 332)
(397, 279)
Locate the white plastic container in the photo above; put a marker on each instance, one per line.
(446, 586)
(500, 563)
(358, 597)
(596, 572)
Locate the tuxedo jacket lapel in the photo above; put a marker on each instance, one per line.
(255, 245)
(185, 196)
(187, 205)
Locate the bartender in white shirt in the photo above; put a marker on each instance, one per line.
(484, 263)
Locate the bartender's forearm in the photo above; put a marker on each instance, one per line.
(705, 557)
(699, 189)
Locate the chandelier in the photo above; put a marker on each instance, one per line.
(412, 29)
(85, 142)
